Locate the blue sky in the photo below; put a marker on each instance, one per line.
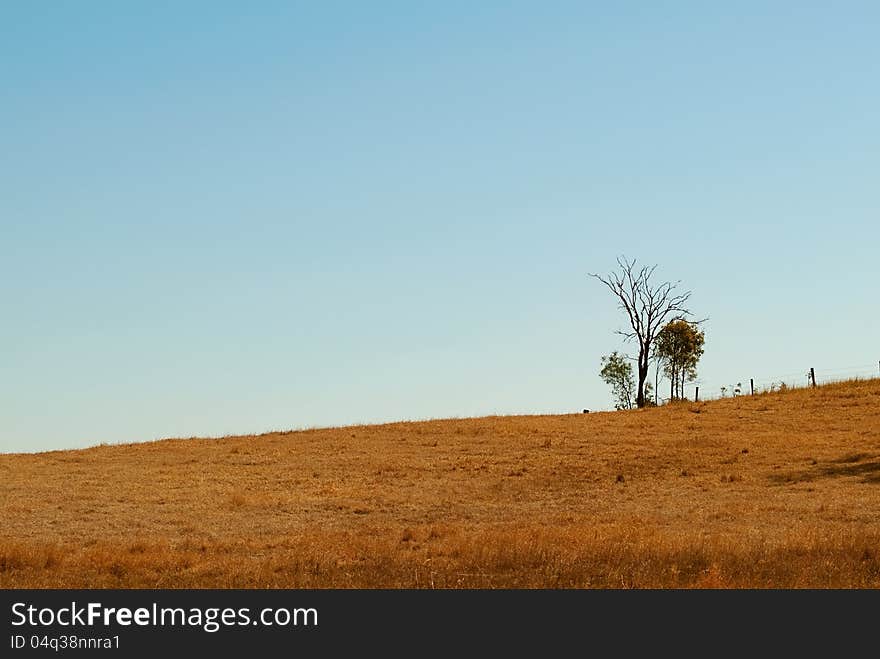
(218, 218)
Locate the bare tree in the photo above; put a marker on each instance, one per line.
(647, 307)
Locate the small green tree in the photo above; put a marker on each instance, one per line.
(617, 372)
(679, 345)
(650, 398)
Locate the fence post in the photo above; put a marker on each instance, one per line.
(752, 385)
(812, 376)
(697, 396)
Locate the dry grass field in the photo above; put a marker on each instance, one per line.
(775, 490)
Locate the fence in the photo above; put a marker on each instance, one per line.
(809, 377)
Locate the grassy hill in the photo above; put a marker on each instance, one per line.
(775, 490)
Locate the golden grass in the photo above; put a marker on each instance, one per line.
(775, 490)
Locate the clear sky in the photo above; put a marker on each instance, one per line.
(222, 217)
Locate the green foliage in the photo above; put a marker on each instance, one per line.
(649, 394)
(679, 345)
(617, 372)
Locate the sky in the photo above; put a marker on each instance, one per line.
(229, 218)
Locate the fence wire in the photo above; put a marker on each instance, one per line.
(792, 380)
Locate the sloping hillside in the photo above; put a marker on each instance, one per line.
(777, 489)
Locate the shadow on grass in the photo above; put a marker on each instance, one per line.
(865, 465)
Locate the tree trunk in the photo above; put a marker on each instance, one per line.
(643, 375)
(656, 382)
